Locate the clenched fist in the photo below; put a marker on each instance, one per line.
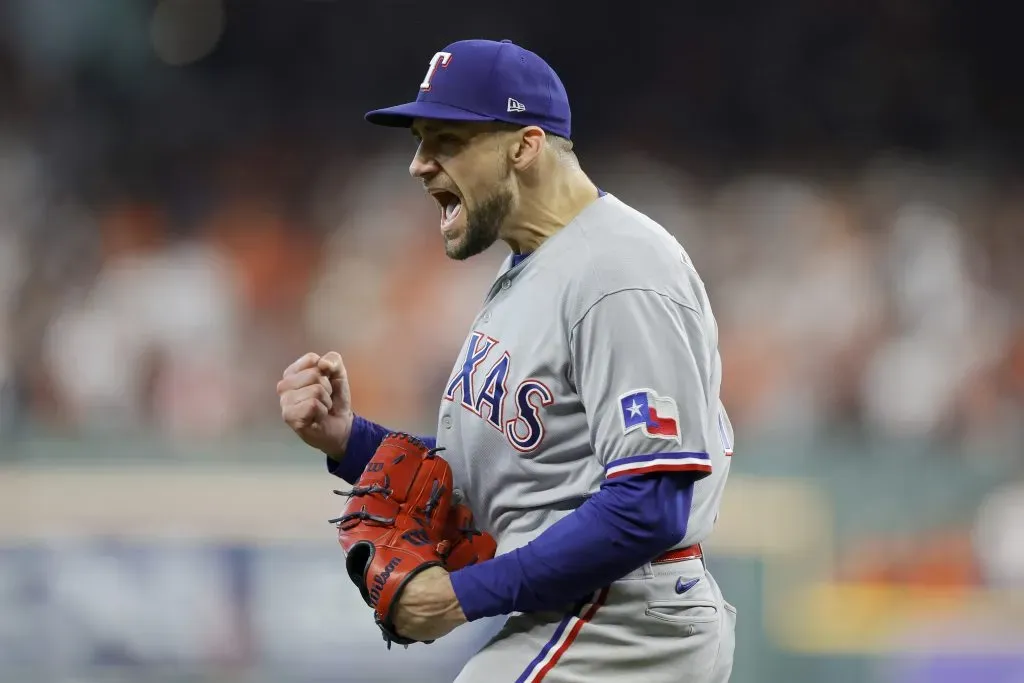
(316, 402)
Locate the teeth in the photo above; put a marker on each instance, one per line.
(451, 209)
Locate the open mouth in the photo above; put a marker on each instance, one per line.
(451, 206)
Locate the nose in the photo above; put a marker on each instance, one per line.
(423, 166)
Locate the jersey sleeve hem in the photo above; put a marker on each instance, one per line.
(678, 461)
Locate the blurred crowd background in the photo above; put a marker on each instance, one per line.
(190, 199)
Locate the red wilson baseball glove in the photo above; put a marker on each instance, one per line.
(399, 520)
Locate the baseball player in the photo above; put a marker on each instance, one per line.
(581, 420)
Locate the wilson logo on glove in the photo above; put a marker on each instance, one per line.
(401, 512)
(381, 580)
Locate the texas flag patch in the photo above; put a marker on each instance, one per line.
(656, 416)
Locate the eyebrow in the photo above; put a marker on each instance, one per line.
(429, 128)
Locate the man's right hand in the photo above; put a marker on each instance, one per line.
(316, 402)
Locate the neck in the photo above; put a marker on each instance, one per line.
(547, 206)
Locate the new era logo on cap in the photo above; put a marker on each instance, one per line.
(472, 80)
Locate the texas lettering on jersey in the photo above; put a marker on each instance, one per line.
(523, 427)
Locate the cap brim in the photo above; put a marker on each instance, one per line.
(403, 115)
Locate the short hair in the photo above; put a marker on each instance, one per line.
(563, 148)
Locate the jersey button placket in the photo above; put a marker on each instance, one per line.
(446, 422)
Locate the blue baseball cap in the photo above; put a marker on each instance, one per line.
(486, 80)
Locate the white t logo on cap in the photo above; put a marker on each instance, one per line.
(441, 58)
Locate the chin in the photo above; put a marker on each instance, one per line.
(462, 247)
(454, 241)
(455, 249)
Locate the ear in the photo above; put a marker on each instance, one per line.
(527, 147)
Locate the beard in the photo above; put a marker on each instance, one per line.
(483, 226)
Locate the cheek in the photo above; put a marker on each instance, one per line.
(482, 189)
(480, 179)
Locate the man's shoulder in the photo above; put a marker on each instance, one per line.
(621, 248)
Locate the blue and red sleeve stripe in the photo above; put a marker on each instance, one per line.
(699, 463)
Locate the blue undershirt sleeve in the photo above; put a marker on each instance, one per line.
(629, 521)
(362, 444)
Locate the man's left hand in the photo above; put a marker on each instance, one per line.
(427, 608)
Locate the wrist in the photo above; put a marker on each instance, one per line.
(455, 614)
(474, 589)
(337, 450)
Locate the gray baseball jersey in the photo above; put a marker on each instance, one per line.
(595, 357)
